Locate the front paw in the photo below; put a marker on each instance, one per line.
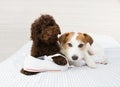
(104, 62)
(60, 60)
(92, 65)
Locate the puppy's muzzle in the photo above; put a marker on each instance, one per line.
(74, 57)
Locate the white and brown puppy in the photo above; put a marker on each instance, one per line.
(77, 47)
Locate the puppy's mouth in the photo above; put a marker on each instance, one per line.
(75, 57)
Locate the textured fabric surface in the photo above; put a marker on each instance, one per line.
(102, 76)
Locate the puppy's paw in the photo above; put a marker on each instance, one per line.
(92, 65)
(104, 62)
(60, 60)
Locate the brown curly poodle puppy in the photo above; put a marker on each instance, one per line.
(44, 33)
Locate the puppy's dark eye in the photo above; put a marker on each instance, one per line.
(80, 45)
(69, 44)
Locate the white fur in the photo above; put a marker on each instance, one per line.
(83, 55)
(71, 51)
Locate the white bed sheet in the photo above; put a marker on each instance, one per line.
(102, 76)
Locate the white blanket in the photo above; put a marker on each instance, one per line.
(102, 76)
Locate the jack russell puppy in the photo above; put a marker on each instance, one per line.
(80, 49)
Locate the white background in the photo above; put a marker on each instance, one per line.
(91, 16)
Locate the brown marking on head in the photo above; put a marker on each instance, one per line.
(65, 37)
(85, 38)
(88, 38)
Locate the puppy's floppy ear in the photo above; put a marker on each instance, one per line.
(57, 29)
(88, 38)
(63, 38)
(35, 31)
(59, 32)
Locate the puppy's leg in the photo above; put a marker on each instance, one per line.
(89, 61)
(87, 58)
(97, 53)
(59, 60)
(100, 59)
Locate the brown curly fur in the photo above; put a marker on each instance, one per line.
(44, 32)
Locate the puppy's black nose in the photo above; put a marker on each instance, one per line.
(74, 57)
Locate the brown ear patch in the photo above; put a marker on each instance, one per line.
(65, 37)
(85, 38)
(80, 37)
(88, 38)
